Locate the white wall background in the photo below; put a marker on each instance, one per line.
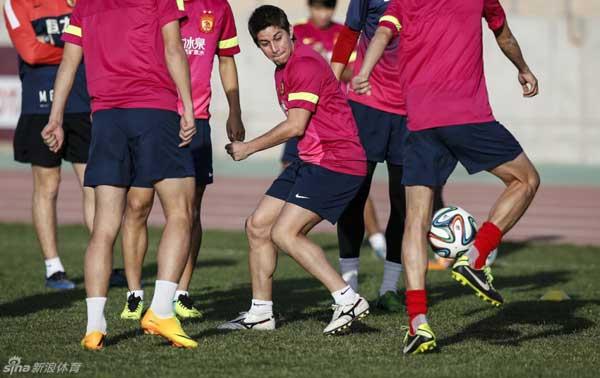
(560, 40)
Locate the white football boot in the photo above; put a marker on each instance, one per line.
(344, 315)
(248, 321)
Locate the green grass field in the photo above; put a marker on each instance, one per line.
(525, 338)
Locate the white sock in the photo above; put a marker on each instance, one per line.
(344, 296)
(162, 301)
(260, 307)
(95, 314)
(391, 276)
(349, 271)
(53, 265)
(377, 241)
(417, 321)
(136, 293)
(178, 293)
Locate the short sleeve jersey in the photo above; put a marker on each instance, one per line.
(208, 31)
(306, 33)
(386, 91)
(442, 59)
(124, 53)
(331, 138)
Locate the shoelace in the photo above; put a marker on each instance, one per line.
(58, 276)
(186, 301)
(488, 274)
(133, 302)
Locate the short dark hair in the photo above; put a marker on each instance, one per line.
(266, 16)
(331, 4)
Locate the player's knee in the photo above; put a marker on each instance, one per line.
(48, 187)
(282, 237)
(137, 208)
(256, 229)
(533, 182)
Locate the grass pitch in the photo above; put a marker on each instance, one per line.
(527, 337)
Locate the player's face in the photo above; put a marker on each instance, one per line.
(321, 16)
(276, 44)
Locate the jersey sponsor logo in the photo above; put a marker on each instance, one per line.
(207, 22)
(194, 46)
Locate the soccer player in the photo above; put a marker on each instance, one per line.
(381, 120)
(318, 186)
(137, 139)
(208, 31)
(450, 120)
(35, 29)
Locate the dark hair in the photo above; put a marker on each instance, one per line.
(323, 3)
(264, 17)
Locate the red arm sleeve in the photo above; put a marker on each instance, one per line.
(23, 36)
(345, 45)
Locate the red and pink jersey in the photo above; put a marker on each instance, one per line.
(208, 30)
(308, 34)
(386, 92)
(442, 59)
(123, 50)
(331, 137)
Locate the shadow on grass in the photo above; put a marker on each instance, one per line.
(518, 283)
(55, 300)
(551, 319)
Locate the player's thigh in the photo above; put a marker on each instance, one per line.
(176, 195)
(520, 169)
(110, 206)
(294, 220)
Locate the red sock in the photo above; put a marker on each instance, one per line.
(487, 239)
(416, 304)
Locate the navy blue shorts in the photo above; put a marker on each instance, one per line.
(382, 134)
(290, 151)
(320, 190)
(136, 148)
(202, 152)
(431, 155)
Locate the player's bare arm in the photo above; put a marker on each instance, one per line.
(180, 73)
(293, 126)
(383, 36)
(53, 133)
(229, 79)
(510, 47)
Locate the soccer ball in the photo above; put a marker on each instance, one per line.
(452, 232)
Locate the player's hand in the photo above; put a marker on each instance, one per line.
(187, 128)
(360, 85)
(529, 83)
(235, 128)
(53, 135)
(238, 150)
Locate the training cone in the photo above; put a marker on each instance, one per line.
(555, 295)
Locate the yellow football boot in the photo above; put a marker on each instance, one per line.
(169, 328)
(93, 340)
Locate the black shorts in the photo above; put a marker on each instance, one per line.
(431, 155)
(136, 148)
(312, 187)
(382, 134)
(29, 146)
(202, 153)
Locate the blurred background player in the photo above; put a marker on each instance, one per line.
(136, 142)
(208, 31)
(35, 28)
(451, 120)
(317, 186)
(381, 120)
(321, 33)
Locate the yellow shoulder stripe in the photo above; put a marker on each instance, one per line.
(393, 20)
(181, 5)
(304, 96)
(74, 30)
(353, 57)
(228, 43)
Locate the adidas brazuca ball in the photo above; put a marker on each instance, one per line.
(452, 232)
